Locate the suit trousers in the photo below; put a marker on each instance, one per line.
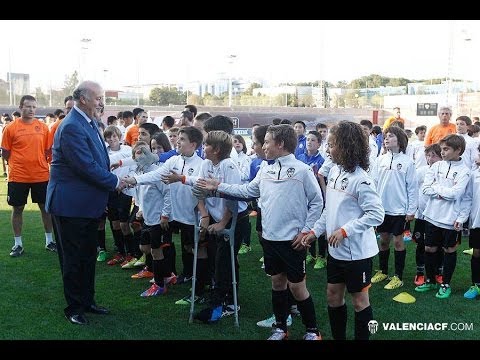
(77, 251)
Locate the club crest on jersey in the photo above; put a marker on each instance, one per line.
(190, 171)
(399, 167)
(344, 184)
(454, 175)
(290, 172)
(37, 128)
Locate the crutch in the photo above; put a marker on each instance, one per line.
(230, 234)
(196, 238)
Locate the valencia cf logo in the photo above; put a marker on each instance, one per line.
(190, 171)
(290, 172)
(399, 167)
(37, 128)
(344, 184)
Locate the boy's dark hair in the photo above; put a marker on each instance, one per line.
(150, 127)
(260, 132)
(402, 138)
(301, 123)
(187, 114)
(61, 116)
(376, 130)
(67, 99)
(398, 124)
(465, 119)
(366, 123)
(137, 111)
(242, 141)
(161, 140)
(49, 115)
(286, 121)
(352, 145)
(192, 108)
(218, 122)
(276, 121)
(127, 114)
(476, 123)
(473, 129)
(58, 112)
(434, 148)
(256, 124)
(286, 134)
(25, 98)
(420, 128)
(193, 134)
(317, 134)
(221, 141)
(16, 113)
(120, 115)
(203, 116)
(321, 126)
(454, 141)
(111, 119)
(169, 121)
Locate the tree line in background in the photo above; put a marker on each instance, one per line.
(166, 96)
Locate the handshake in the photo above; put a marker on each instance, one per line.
(204, 188)
(126, 182)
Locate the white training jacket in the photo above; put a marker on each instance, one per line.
(154, 200)
(422, 198)
(291, 197)
(225, 171)
(473, 191)
(182, 199)
(124, 152)
(394, 176)
(445, 184)
(352, 203)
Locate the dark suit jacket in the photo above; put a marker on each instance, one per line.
(80, 176)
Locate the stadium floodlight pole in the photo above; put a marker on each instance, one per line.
(230, 84)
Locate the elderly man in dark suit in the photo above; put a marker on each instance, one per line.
(77, 194)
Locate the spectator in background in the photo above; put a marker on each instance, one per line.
(276, 121)
(186, 118)
(286, 121)
(6, 119)
(193, 109)
(377, 131)
(112, 120)
(395, 117)
(167, 123)
(474, 131)
(25, 146)
(15, 115)
(439, 131)
(299, 128)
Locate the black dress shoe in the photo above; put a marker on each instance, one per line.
(78, 319)
(95, 309)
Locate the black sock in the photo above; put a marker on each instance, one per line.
(475, 267)
(157, 271)
(383, 260)
(148, 262)
(119, 241)
(440, 256)
(307, 310)
(400, 262)
(137, 236)
(430, 266)
(420, 258)
(280, 308)
(338, 321)
(129, 243)
(361, 323)
(101, 239)
(449, 263)
(202, 276)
